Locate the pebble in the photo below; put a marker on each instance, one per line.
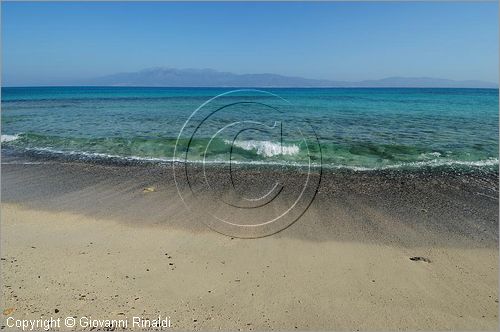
(420, 258)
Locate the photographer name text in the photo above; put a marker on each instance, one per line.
(85, 322)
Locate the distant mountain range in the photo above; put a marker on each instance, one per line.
(169, 77)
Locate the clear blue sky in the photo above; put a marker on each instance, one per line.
(44, 43)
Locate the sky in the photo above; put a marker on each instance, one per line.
(60, 42)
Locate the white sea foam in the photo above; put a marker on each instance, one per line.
(408, 165)
(445, 162)
(430, 155)
(26, 163)
(419, 164)
(92, 155)
(266, 148)
(9, 138)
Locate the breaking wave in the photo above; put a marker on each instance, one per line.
(9, 138)
(266, 148)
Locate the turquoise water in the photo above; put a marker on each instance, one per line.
(356, 128)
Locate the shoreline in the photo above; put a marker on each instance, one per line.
(48, 155)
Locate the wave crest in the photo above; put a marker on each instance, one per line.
(9, 138)
(266, 148)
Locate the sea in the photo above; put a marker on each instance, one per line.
(353, 128)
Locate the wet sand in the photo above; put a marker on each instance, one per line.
(89, 240)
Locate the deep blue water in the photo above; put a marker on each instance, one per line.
(356, 128)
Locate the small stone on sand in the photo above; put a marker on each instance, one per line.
(420, 258)
(8, 311)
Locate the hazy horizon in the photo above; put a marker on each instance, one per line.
(53, 43)
(208, 77)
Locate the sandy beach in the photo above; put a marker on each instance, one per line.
(87, 240)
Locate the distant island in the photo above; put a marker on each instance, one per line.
(171, 77)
